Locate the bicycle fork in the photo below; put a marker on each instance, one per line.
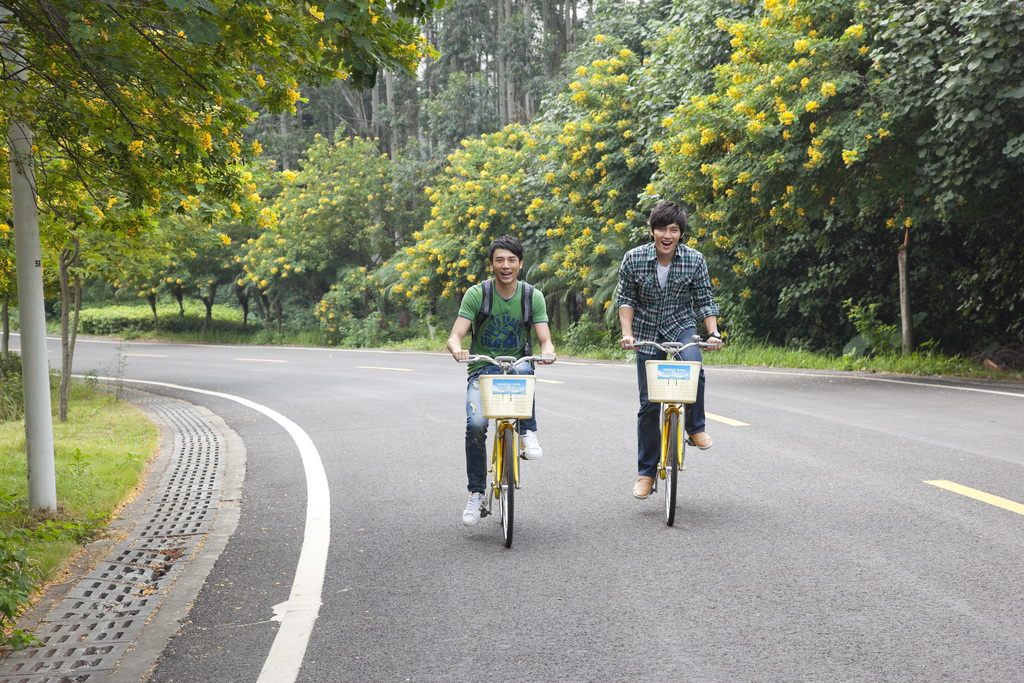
(503, 429)
(674, 448)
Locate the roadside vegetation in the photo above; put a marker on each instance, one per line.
(99, 452)
(874, 347)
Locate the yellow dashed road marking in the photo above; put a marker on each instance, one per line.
(1004, 503)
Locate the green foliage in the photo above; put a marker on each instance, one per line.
(19, 579)
(462, 110)
(133, 320)
(12, 397)
(873, 336)
(344, 213)
(586, 335)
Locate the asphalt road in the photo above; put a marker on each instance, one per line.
(809, 544)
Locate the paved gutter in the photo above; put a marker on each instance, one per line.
(111, 620)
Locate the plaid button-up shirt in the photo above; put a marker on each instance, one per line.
(665, 313)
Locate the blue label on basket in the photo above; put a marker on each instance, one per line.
(509, 386)
(674, 372)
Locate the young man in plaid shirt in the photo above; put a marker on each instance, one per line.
(664, 289)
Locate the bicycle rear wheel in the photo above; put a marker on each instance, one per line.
(507, 485)
(673, 460)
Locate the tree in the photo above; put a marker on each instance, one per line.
(808, 155)
(132, 98)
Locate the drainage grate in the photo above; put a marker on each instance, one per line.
(87, 633)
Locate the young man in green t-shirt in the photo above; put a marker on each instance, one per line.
(502, 334)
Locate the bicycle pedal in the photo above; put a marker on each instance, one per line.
(484, 512)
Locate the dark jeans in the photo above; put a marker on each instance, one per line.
(648, 427)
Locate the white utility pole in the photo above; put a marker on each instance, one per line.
(42, 478)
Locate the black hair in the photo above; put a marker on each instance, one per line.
(667, 213)
(509, 242)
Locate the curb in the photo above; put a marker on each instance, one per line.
(127, 593)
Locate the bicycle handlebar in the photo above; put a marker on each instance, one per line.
(674, 348)
(507, 361)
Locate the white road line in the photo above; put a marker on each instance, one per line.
(788, 372)
(298, 614)
(726, 420)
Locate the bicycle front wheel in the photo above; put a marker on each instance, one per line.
(673, 460)
(507, 485)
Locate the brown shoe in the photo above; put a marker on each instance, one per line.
(701, 440)
(643, 487)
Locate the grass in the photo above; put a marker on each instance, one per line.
(760, 355)
(99, 454)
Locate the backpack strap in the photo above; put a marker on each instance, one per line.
(487, 288)
(527, 300)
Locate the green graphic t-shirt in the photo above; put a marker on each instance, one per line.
(503, 333)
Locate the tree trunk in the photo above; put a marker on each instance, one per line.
(5, 318)
(67, 260)
(279, 312)
(208, 302)
(906, 316)
(284, 137)
(375, 111)
(389, 97)
(242, 294)
(179, 295)
(500, 69)
(430, 318)
(151, 298)
(262, 309)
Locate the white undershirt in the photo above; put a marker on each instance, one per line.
(663, 275)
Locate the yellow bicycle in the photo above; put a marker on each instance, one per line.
(506, 398)
(673, 384)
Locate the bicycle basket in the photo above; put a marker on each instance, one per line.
(672, 381)
(507, 395)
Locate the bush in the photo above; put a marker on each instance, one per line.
(19, 578)
(133, 320)
(12, 397)
(586, 334)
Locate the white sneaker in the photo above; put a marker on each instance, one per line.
(472, 514)
(531, 449)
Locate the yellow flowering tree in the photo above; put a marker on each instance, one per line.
(838, 135)
(776, 164)
(341, 216)
(598, 165)
(487, 189)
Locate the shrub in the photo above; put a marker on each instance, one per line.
(18, 580)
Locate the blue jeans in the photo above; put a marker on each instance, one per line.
(648, 427)
(476, 427)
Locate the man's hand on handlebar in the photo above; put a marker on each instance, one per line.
(627, 342)
(461, 356)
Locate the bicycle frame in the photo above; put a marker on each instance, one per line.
(673, 425)
(507, 443)
(505, 428)
(667, 409)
